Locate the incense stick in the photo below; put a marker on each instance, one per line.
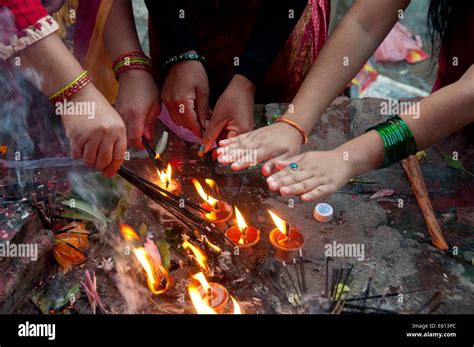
(191, 221)
(303, 273)
(152, 154)
(236, 197)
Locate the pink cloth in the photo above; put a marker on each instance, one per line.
(396, 46)
(183, 133)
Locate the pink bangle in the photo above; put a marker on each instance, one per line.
(133, 60)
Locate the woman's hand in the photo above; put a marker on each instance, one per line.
(98, 138)
(271, 143)
(138, 103)
(186, 95)
(319, 174)
(233, 112)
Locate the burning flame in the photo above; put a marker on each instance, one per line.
(165, 176)
(214, 247)
(157, 156)
(207, 198)
(237, 309)
(200, 257)
(128, 233)
(156, 274)
(280, 223)
(202, 305)
(242, 225)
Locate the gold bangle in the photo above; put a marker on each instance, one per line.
(294, 125)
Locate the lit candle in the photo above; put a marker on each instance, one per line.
(167, 182)
(219, 211)
(208, 297)
(243, 235)
(286, 240)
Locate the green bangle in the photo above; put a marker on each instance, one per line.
(398, 140)
(184, 57)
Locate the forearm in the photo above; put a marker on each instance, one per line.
(354, 40)
(120, 34)
(441, 114)
(53, 63)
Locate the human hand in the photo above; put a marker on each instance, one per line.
(186, 95)
(138, 103)
(275, 142)
(233, 113)
(98, 138)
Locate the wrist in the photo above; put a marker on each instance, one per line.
(364, 153)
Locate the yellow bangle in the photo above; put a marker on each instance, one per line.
(69, 85)
(294, 125)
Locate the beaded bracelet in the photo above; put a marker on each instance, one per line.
(71, 88)
(398, 140)
(294, 125)
(132, 60)
(183, 57)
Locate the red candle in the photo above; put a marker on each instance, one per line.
(243, 235)
(286, 240)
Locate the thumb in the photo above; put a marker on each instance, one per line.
(150, 122)
(212, 132)
(202, 106)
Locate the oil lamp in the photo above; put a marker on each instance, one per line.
(166, 181)
(158, 279)
(286, 240)
(209, 297)
(243, 235)
(219, 211)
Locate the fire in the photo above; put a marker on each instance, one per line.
(213, 185)
(202, 304)
(280, 223)
(128, 233)
(157, 156)
(242, 225)
(214, 247)
(237, 309)
(157, 275)
(200, 257)
(165, 176)
(207, 198)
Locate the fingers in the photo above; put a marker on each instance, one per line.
(150, 122)
(120, 146)
(105, 153)
(271, 167)
(213, 130)
(90, 151)
(286, 178)
(135, 128)
(317, 193)
(77, 146)
(202, 106)
(189, 117)
(302, 187)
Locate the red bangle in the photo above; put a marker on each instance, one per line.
(294, 125)
(71, 88)
(133, 60)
